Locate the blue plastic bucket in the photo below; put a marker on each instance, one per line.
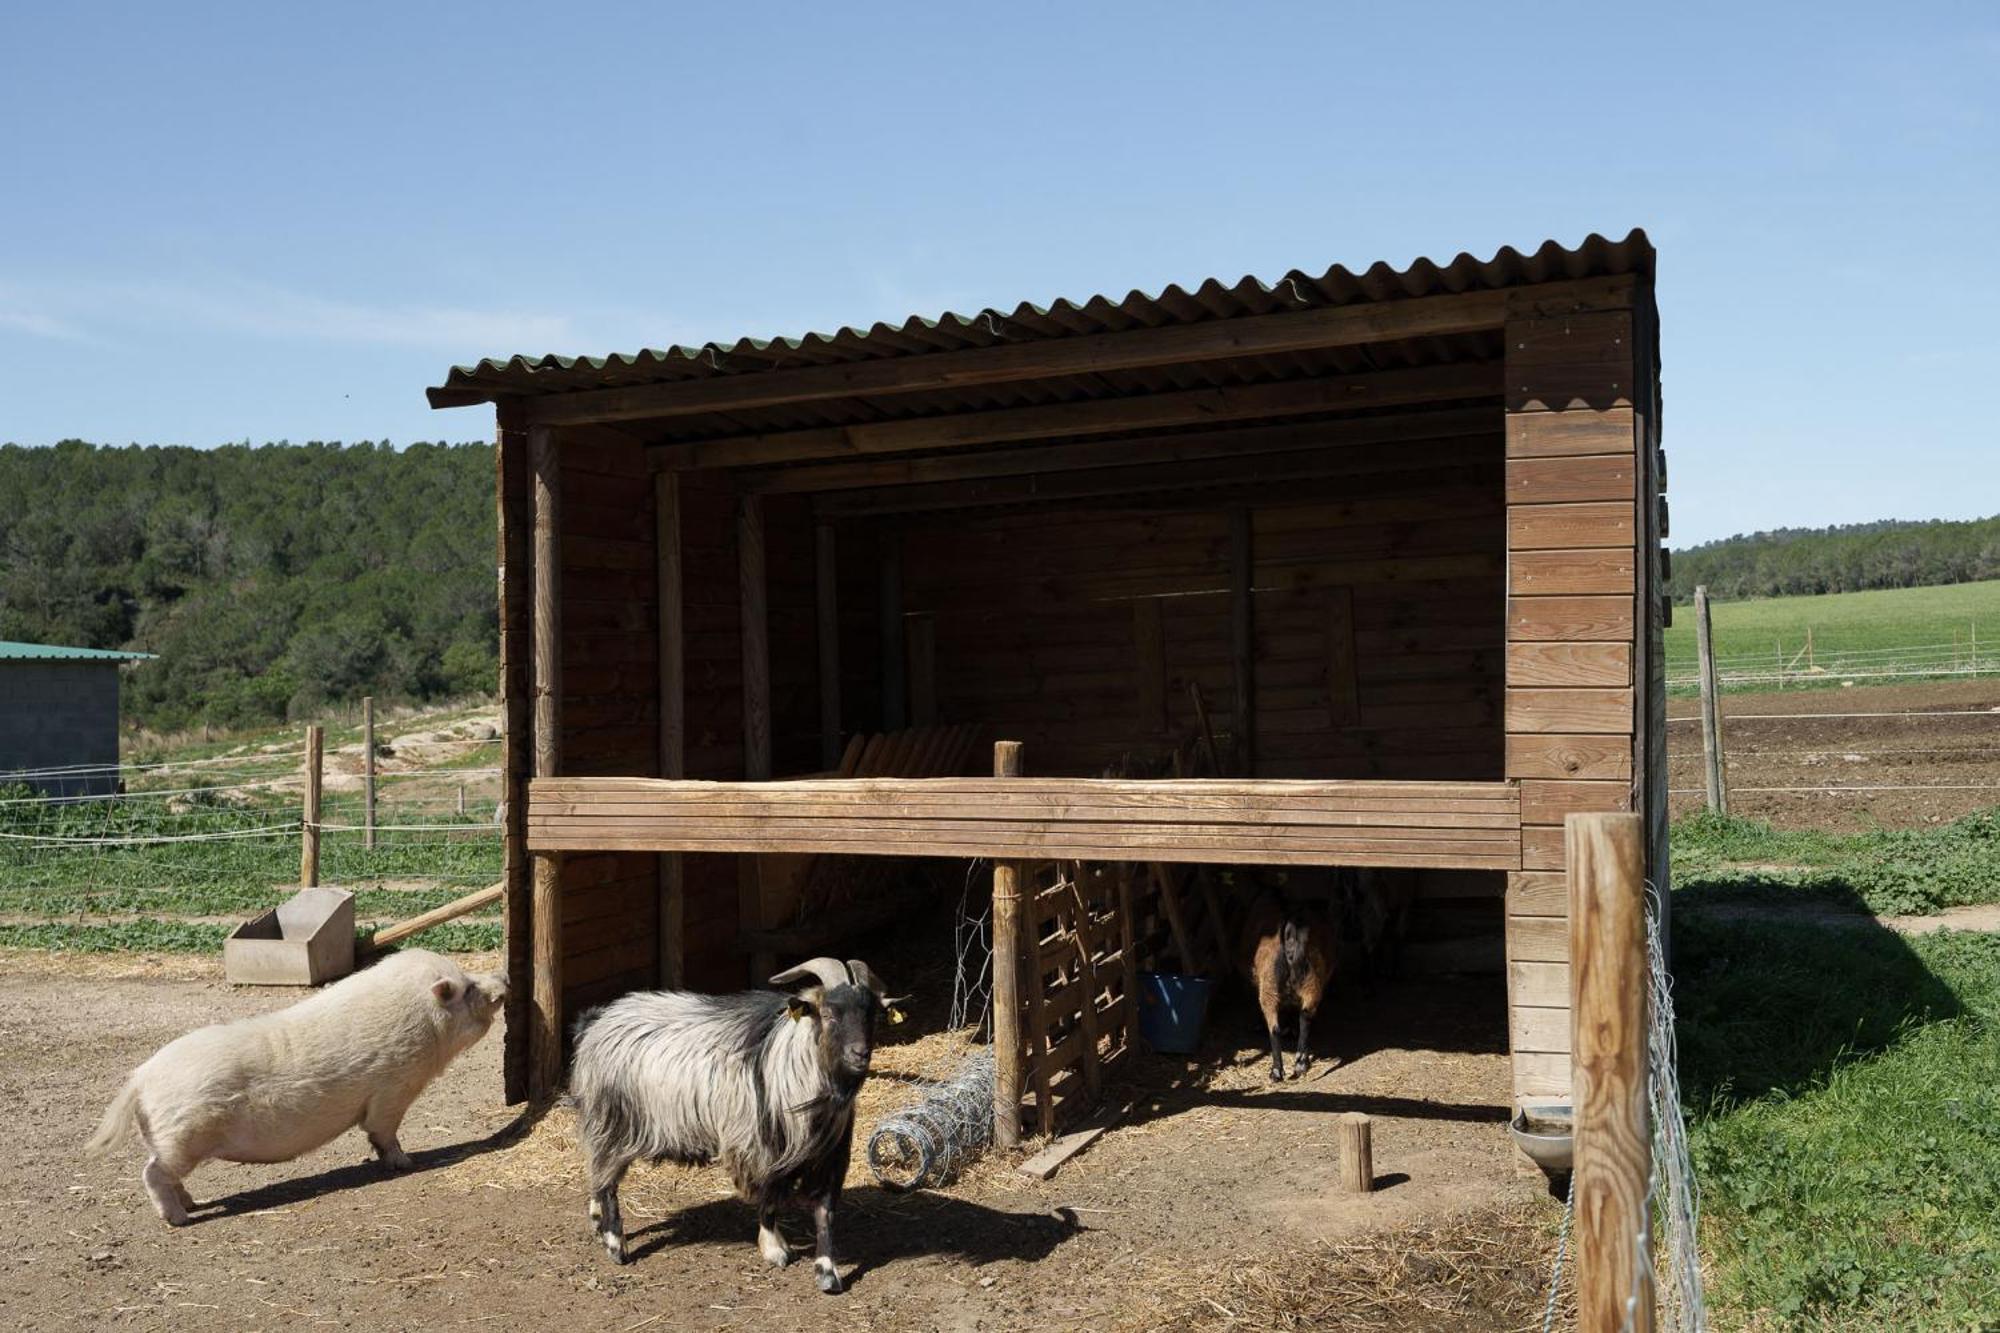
(1171, 1010)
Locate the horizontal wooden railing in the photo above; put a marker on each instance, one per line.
(1460, 825)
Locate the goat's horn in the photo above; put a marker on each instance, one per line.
(829, 972)
(865, 976)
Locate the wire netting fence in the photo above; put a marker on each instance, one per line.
(169, 855)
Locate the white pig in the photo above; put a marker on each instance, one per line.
(268, 1088)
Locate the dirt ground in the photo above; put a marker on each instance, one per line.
(1211, 1169)
(1944, 752)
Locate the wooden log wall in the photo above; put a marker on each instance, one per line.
(1575, 713)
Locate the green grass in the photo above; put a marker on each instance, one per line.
(171, 936)
(1886, 871)
(1846, 1135)
(1857, 631)
(1843, 1082)
(73, 875)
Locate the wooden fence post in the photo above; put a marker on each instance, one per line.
(1608, 1040)
(1007, 879)
(1357, 1152)
(1717, 777)
(309, 812)
(368, 772)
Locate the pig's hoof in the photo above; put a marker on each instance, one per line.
(827, 1277)
(399, 1161)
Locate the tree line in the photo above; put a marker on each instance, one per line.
(271, 580)
(1847, 558)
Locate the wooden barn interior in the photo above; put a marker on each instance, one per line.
(1341, 571)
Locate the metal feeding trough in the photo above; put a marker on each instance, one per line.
(303, 941)
(1545, 1134)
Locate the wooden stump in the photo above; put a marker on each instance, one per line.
(1357, 1153)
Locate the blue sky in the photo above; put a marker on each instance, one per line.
(283, 222)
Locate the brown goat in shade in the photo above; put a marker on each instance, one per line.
(1288, 957)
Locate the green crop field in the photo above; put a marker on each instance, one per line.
(1862, 636)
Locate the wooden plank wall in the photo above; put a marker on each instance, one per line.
(610, 709)
(713, 671)
(1573, 494)
(1078, 628)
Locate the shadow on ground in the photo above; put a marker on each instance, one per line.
(359, 1174)
(1766, 1005)
(873, 1228)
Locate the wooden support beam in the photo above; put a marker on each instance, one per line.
(1607, 916)
(895, 693)
(920, 635)
(437, 916)
(1170, 899)
(672, 923)
(1149, 663)
(1007, 1048)
(545, 1053)
(1210, 340)
(1248, 455)
(826, 593)
(1343, 685)
(1155, 411)
(1242, 644)
(756, 639)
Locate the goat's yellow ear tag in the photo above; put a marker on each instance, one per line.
(798, 1008)
(895, 1014)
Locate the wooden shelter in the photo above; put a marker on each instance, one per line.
(1395, 534)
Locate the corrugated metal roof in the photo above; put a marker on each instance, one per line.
(51, 652)
(1210, 300)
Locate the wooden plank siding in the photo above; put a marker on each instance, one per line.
(1576, 491)
(610, 634)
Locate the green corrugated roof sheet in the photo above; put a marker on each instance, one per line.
(53, 652)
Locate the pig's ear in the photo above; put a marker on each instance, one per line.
(445, 989)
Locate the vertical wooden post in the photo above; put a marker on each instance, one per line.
(1608, 1040)
(368, 772)
(673, 714)
(309, 810)
(826, 575)
(756, 639)
(920, 640)
(1242, 649)
(895, 698)
(461, 800)
(1714, 768)
(1128, 957)
(545, 1009)
(1007, 879)
(1356, 1133)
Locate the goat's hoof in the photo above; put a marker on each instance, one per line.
(1277, 1074)
(827, 1276)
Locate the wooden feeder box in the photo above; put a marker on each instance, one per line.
(304, 941)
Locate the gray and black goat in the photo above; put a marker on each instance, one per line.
(762, 1082)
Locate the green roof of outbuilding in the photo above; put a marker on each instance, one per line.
(53, 652)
